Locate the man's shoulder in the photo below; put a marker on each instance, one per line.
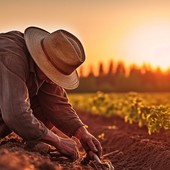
(13, 47)
(11, 36)
(13, 52)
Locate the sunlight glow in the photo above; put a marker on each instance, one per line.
(149, 44)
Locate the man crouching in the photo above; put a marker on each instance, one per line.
(35, 68)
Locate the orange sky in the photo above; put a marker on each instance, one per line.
(129, 30)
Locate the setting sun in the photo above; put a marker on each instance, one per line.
(129, 31)
(149, 43)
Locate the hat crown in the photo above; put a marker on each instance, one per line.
(64, 51)
(57, 54)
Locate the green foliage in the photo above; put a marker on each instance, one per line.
(130, 106)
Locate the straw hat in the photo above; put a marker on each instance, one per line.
(57, 54)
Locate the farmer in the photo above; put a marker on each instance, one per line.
(35, 68)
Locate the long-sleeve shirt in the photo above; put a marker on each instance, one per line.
(19, 83)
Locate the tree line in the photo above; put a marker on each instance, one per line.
(118, 78)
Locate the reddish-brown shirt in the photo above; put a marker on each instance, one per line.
(18, 84)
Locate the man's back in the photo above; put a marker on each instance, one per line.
(14, 53)
(11, 41)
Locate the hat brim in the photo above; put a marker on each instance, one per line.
(33, 37)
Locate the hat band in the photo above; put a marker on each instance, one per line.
(43, 47)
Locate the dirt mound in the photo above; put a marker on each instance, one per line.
(132, 148)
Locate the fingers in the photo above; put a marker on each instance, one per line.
(92, 146)
(95, 146)
(99, 147)
(90, 143)
(68, 148)
(75, 155)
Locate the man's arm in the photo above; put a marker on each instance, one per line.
(18, 116)
(56, 107)
(53, 99)
(14, 101)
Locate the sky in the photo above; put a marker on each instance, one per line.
(132, 31)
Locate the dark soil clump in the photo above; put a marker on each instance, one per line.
(132, 148)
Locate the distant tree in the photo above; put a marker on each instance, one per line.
(168, 73)
(134, 70)
(87, 84)
(161, 80)
(134, 79)
(81, 71)
(120, 69)
(148, 78)
(91, 71)
(101, 70)
(110, 70)
(146, 68)
(168, 78)
(140, 79)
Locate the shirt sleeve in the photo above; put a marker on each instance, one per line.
(55, 104)
(14, 100)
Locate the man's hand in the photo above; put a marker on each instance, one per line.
(66, 146)
(88, 141)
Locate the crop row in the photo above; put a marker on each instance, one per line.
(134, 108)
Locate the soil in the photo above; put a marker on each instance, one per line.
(132, 148)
